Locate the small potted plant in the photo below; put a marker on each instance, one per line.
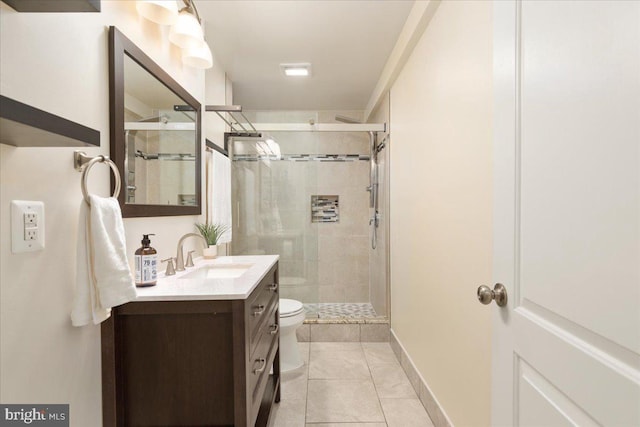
(211, 233)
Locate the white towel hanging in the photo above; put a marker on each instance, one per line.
(103, 276)
(220, 192)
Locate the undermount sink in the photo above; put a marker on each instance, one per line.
(218, 271)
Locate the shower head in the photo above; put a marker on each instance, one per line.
(345, 119)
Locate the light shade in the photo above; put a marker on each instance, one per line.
(198, 57)
(186, 32)
(162, 12)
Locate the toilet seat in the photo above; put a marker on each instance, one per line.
(290, 307)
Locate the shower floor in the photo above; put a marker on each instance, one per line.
(328, 310)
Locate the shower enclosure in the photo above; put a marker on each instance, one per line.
(308, 197)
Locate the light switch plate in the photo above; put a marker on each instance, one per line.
(27, 226)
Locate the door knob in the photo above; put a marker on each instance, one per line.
(499, 294)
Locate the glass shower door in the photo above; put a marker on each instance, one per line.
(271, 210)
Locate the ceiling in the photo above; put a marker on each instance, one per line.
(347, 43)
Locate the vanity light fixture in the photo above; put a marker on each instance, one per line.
(159, 11)
(296, 70)
(198, 57)
(187, 32)
(186, 28)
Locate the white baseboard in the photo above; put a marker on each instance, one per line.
(427, 398)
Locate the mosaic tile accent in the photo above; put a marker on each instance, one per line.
(325, 209)
(341, 310)
(301, 157)
(344, 320)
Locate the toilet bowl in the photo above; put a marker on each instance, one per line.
(291, 318)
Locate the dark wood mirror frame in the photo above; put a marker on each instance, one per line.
(119, 46)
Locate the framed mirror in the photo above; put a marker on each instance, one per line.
(155, 129)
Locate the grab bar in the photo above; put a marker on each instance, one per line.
(82, 163)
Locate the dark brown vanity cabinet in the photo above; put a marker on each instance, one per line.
(193, 363)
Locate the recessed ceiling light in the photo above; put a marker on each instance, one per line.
(296, 70)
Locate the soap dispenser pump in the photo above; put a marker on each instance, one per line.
(146, 263)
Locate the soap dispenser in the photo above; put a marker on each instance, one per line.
(146, 263)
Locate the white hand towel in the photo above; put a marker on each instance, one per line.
(220, 193)
(103, 277)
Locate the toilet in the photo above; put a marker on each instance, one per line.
(291, 318)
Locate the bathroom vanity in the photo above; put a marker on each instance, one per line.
(199, 348)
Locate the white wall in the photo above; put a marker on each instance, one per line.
(441, 198)
(216, 94)
(59, 63)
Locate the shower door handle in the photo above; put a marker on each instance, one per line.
(375, 220)
(238, 215)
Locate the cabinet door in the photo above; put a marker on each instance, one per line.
(172, 365)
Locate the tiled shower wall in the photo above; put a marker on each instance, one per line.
(319, 262)
(343, 247)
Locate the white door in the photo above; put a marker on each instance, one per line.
(567, 213)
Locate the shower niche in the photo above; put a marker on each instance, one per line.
(325, 208)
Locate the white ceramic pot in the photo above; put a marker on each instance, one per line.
(210, 252)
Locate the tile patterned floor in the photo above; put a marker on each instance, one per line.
(348, 384)
(328, 310)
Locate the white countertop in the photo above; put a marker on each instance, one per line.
(178, 288)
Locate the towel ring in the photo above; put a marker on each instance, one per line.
(83, 163)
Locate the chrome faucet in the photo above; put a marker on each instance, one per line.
(180, 255)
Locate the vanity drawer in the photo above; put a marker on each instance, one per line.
(268, 329)
(269, 325)
(261, 302)
(262, 357)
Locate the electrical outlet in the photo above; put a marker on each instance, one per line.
(31, 219)
(27, 226)
(31, 233)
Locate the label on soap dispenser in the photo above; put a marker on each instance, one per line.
(146, 269)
